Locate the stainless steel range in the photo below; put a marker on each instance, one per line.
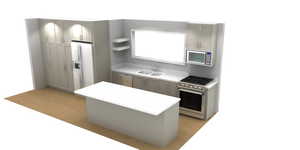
(198, 97)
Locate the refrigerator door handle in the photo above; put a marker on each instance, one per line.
(80, 65)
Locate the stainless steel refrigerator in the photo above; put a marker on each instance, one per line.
(82, 60)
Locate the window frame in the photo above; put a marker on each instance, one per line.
(132, 44)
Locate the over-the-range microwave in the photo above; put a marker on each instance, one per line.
(199, 57)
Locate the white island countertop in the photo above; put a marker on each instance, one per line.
(132, 98)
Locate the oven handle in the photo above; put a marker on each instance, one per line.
(190, 91)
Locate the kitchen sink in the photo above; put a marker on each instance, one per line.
(156, 73)
(145, 72)
(151, 73)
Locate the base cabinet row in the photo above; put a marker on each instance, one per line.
(145, 83)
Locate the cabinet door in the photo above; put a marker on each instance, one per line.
(47, 28)
(49, 56)
(115, 77)
(69, 68)
(139, 82)
(87, 34)
(60, 66)
(122, 79)
(59, 32)
(51, 31)
(72, 31)
(78, 30)
(153, 85)
(147, 84)
(57, 72)
(126, 80)
(68, 31)
(54, 69)
(64, 66)
(200, 36)
(169, 88)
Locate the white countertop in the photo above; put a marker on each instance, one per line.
(174, 76)
(22, 128)
(132, 98)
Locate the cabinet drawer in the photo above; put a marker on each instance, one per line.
(122, 79)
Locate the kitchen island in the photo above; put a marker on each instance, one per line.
(147, 116)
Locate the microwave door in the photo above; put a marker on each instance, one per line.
(197, 58)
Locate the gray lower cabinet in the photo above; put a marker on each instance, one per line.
(155, 85)
(169, 88)
(122, 79)
(145, 83)
(139, 82)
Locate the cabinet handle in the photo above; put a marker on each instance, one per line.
(65, 67)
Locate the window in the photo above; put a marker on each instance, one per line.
(158, 46)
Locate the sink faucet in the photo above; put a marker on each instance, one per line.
(155, 68)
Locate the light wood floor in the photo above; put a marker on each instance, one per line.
(71, 108)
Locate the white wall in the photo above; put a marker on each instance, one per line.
(259, 101)
(36, 55)
(15, 72)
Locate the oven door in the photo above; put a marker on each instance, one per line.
(191, 100)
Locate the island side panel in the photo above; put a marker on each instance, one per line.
(171, 123)
(151, 129)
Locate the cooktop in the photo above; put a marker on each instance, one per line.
(196, 80)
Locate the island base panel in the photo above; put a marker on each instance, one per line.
(157, 130)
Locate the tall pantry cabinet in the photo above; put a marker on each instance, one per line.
(56, 37)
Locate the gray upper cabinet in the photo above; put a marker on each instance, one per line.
(52, 31)
(201, 36)
(78, 30)
(87, 34)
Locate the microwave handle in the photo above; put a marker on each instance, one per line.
(190, 91)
